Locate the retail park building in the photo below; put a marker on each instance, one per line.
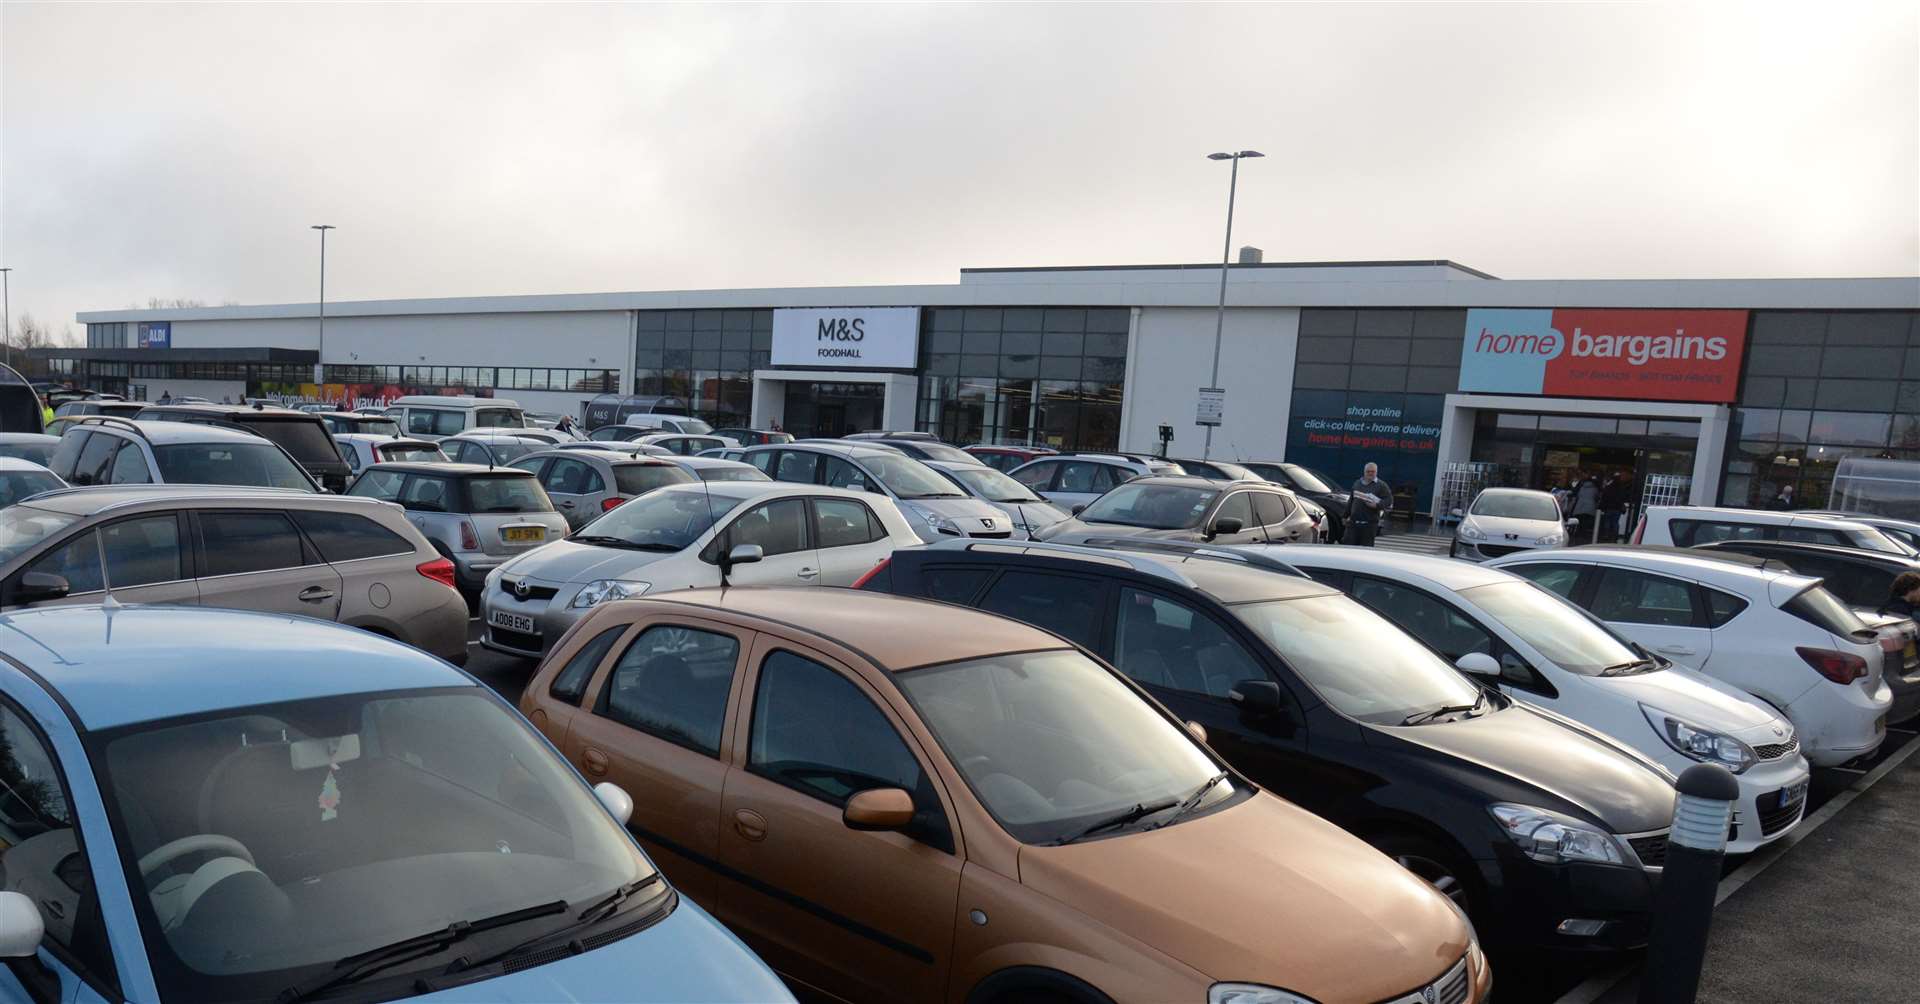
(1420, 366)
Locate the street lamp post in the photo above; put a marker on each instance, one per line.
(321, 349)
(6, 312)
(1226, 253)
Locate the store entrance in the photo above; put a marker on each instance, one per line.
(1545, 451)
(831, 410)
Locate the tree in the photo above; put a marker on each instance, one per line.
(29, 333)
(169, 303)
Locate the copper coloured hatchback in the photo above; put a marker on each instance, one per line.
(898, 800)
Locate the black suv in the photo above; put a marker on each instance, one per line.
(1548, 834)
(302, 434)
(1314, 486)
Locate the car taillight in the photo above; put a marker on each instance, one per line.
(610, 503)
(439, 570)
(1840, 667)
(871, 572)
(469, 540)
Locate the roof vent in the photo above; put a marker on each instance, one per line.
(1251, 255)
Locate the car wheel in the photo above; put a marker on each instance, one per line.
(1453, 550)
(1440, 868)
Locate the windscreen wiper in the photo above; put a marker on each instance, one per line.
(592, 914)
(358, 967)
(1421, 717)
(1625, 668)
(1139, 810)
(1192, 801)
(605, 541)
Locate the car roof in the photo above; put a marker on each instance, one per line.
(453, 401)
(870, 623)
(712, 463)
(161, 431)
(1228, 574)
(1446, 573)
(115, 666)
(27, 437)
(235, 409)
(379, 437)
(425, 467)
(20, 464)
(86, 500)
(750, 490)
(520, 434)
(612, 457)
(1811, 548)
(1871, 519)
(1676, 560)
(1759, 515)
(854, 450)
(1192, 481)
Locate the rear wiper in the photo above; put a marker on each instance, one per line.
(358, 967)
(1139, 810)
(1420, 717)
(593, 914)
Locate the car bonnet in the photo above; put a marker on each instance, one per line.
(567, 561)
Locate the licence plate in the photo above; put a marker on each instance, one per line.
(1791, 794)
(511, 621)
(523, 534)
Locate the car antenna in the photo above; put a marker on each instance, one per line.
(706, 489)
(106, 582)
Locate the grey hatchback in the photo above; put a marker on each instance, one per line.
(477, 517)
(585, 483)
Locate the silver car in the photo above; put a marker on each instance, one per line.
(362, 450)
(496, 447)
(716, 469)
(585, 483)
(685, 444)
(1075, 479)
(1030, 513)
(28, 446)
(630, 449)
(23, 479)
(354, 561)
(936, 509)
(478, 517)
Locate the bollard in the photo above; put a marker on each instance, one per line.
(1683, 905)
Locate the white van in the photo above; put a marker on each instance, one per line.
(435, 417)
(1686, 525)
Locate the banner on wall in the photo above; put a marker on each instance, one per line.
(1648, 355)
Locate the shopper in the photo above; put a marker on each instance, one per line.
(1783, 500)
(1614, 499)
(1371, 500)
(1904, 598)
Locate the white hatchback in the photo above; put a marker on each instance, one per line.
(1779, 636)
(1504, 520)
(1536, 647)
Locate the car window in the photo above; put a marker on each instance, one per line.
(76, 559)
(1722, 607)
(1689, 532)
(39, 453)
(497, 418)
(18, 485)
(1810, 535)
(500, 493)
(567, 476)
(841, 474)
(258, 464)
(842, 523)
(571, 682)
(351, 455)
(129, 466)
(409, 451)
(435, 422)
(1067, 605)
(1559, 579)
(424, 493)
(462, 452)
(1084, 476)
(1167, 644)
(798, 466)
(43, 857)
(768, 461)
(814, 731)
(305, 439)
(66, 455)
(143, 551)
(954, 585)
(1036, 476)
(1271, 508)
(345, 536)
(94, 460)
(1641, 598)
(672, 682)
(1443, 628)
(383, 485)
(1156, 506)
(779, 527)
(639, 479)
(237, 542)
(1238, 505)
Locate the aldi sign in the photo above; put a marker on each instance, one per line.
(1646, 355)
(155, 335)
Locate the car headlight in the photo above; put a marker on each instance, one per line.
(1252, 993)
(1550, 539)
(936, 521)
(1555, 839)
(1470, 532)
(1704, 745)
(602, 590)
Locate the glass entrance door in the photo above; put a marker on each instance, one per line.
(832, 410)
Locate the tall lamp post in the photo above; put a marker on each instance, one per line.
(1226, 252)
(321, 351)
(6, 312)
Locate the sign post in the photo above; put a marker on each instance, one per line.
(1212, 407)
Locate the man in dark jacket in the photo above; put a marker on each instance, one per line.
(1614, 499)
(1904, 597)
(1371, 501)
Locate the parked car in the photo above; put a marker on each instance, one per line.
(303, 436)
(100, 406)
(1217, 470)
(635, 426)
(920, 449)
(1075, 479)
(934, 507)
(1905, 531)
(1523, 818)
(435, 416)
(1006, 458)
(343, 423)
(725, 454)
(304, 811)
(1504, 520)
(476, 517)
(915, 435)
(687, 536)
(1314, 486)
(324, 556)
(585, 483)
(491, 446)
(716, 469)
(682, 444)
(754, 437)
(363, 450)
(32, 446)
(1537, 647)
(1779, 636)
(1685, 526)
(1030, 513)
(102, 450)
(625, 449)
(22, 479)
(1191, 509)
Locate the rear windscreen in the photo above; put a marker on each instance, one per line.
(506, 493)
(305, 439)
(39, 453)
(375, 426)
(420, 452)
(639, 479)
(1822, 609)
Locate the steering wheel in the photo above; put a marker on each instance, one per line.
(164, 854)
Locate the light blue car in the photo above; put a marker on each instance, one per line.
(212, 805)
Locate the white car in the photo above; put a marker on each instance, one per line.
(1905, 531)
(684, 443)
(22, 479)
(362, 450)
(1536, 647)
(1029, 512)
(1779, 636)
(1504, 520)
(708, 533)
(1686, 526)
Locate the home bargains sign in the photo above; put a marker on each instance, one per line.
(1648, 355)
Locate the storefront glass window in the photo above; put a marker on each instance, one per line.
(1024, 375)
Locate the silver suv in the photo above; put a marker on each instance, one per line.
(354, 561)
(104, 450)
(934, 507)
(476, 517)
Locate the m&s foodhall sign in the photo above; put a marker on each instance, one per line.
(1648, 355)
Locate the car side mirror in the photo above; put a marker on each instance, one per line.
(1198, 732)
(1226, 524)
(21, 928)
(878, 809)
(616, 799)
(1076, 509)
(1256, 697)
(744, 554)
(37, 586)
(1572, 523)
(1478, 664)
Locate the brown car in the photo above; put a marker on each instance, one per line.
(899, 800)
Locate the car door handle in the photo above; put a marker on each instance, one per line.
(1674, 650)
(808, 573)
(566, 505)
(750, 824)
(314, 594)
(594, 761)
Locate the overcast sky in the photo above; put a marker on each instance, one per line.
(183, 151)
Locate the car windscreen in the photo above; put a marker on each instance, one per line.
(1555, 628)
(1873, 539)
(299, 807)
(498, 418)
(666, 520)
(639, 479)
(938, 451)
(1819, 607)
(1157, 507)
(990, 484)
(909, 478)
(1355, 659)
(1051, 741)
(506, 493)
(16, 486)
(425, 453)
(39, 453)
(305, 438)
(372, 426)
(693, 427)
(1308, 479)
(23, 528)
(1516, 505)
(258, 465)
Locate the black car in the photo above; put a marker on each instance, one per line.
(1548, 834)
(1314, 486)
(342, 423)
(302, 434)
(1197, 510)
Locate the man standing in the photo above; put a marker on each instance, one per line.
(1586, 504)
(1370, 501)
(1784, 500)
(1614, 499)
